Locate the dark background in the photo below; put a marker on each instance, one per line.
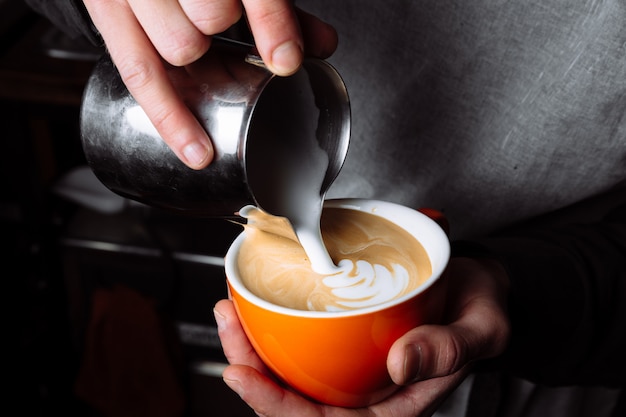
(108, 313)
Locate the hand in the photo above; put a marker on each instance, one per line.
(138, 33)
(430, 361)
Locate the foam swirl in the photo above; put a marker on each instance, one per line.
(376, 260)
(362, 284)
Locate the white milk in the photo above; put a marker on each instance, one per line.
(304, 194)
(362, 284)
(286, 173)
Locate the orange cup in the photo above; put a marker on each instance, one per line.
(340, 358)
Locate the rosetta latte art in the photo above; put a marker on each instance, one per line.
(361, 284)
(377, 261)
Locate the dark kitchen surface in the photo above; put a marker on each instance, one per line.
(73, 268)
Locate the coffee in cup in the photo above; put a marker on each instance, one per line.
(338, 356)
(376, 261)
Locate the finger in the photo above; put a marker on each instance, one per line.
(248, 376)
(276, 32)
(143, 73)
(266, 397)
(480, 329)
(427, 352)
(235, 343)
(167, 26)
(421, 398)
(212, 16)
(434, 351)
(477, 294)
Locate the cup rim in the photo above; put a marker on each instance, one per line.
(375, 207)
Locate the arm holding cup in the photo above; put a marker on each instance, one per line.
(429, 361)
(444, 352)
(549, 309)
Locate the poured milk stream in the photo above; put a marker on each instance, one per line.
(303, 190)
(378, 261)
(284, 258)
(287, 168)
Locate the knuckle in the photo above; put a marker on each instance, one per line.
(139, 76)
(212, 24)
(135, 72)
(454, 354)
(183, 48)
(214, 16)
(161, 117)
(272, 15)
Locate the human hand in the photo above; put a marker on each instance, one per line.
(140, 34)
(429, 361)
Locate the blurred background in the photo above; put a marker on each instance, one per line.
(108, 303)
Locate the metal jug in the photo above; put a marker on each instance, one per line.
(257, 123)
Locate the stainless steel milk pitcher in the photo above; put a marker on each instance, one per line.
(257, 123)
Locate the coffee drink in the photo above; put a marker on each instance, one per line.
(376, 261)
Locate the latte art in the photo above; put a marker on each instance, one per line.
(362, 284)
(377, 261)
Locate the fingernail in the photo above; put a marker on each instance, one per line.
(195, 153)
(220, 319)
(286, 58)
(412, 363)
(235, 385)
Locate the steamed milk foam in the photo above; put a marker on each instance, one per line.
(377, 261)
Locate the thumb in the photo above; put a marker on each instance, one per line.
(429, 351)
(479, 328)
